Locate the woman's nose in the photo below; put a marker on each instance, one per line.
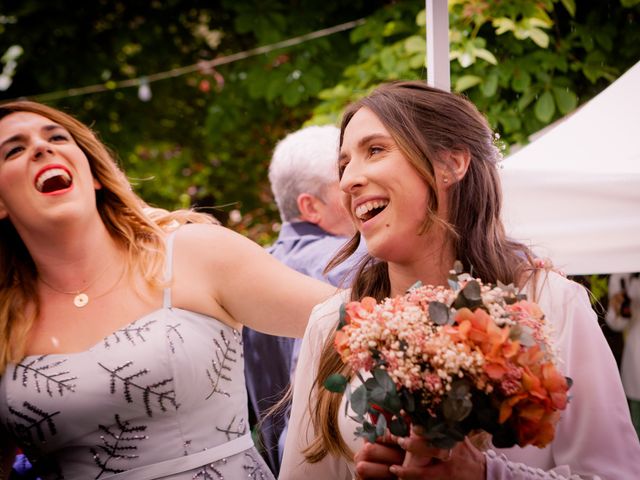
(352, 178)
(42, 149)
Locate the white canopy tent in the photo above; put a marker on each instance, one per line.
(574, 193)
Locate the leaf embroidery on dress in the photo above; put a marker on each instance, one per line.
(44, 375)
(225, 354)
(132, 333)
(254, 468)
(35, 421)
(119, 443)
(234, 432)
(172, 331)
(207, 470)
(159, 391)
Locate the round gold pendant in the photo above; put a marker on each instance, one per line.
(81, 300)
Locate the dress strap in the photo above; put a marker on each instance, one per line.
(188, 462)
(168, 269)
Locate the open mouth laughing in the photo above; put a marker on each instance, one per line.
(368, 210)
(53, 179)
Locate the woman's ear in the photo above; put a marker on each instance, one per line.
(458, 164)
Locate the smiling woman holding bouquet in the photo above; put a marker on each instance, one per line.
(418, 168)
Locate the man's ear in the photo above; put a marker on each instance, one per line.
(307, 204)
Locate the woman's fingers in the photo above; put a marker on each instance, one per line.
(373, 460)
(373, 471)
(378, 453)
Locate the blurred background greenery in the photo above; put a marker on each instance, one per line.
(203, 136)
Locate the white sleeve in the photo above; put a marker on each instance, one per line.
(323, 320)
(501, 468)
(594, 436)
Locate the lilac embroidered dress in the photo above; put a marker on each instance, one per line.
(163, 397)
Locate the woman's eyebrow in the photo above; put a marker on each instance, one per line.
(15, 138)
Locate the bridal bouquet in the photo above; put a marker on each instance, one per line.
(456, 361)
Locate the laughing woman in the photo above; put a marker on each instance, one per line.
(418, 168)
(120, 344)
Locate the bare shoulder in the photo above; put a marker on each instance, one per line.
(204, 244)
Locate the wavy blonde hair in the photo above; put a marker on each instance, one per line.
(139, 229)
(425, 122)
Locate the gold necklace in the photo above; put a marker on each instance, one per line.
(80, 297)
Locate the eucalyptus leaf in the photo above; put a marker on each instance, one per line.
(398, 427)
(392, 403)
(439, 313)
(336, 383)
(384, 380)
(418, 284)
(456, 409)
(377, 395)
(471, 291)
(359, 402)
(381, 425)
(408, 402)
(342, 319)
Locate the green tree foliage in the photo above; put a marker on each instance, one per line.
(523, 63)
(205, 138)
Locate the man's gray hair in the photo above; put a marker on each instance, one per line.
(305, 161)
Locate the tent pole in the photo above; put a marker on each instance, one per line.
(438, 74)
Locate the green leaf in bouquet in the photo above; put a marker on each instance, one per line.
(381, 425)
(398, 427)
(457, 405)
(336, 383)
(347, 396)
(471, 291)
(359, 400)
(377, 395)
(461, 302)
(418, 284)
(384, 380)
(453, 284)
(408, 401)
(392, 403)
(439, 313)
(367, 431)
(440, 435)
(342, 319)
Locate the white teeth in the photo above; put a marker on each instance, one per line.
(363, 209)
(52, 172)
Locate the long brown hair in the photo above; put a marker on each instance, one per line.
(139, 229)
(426, 122)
